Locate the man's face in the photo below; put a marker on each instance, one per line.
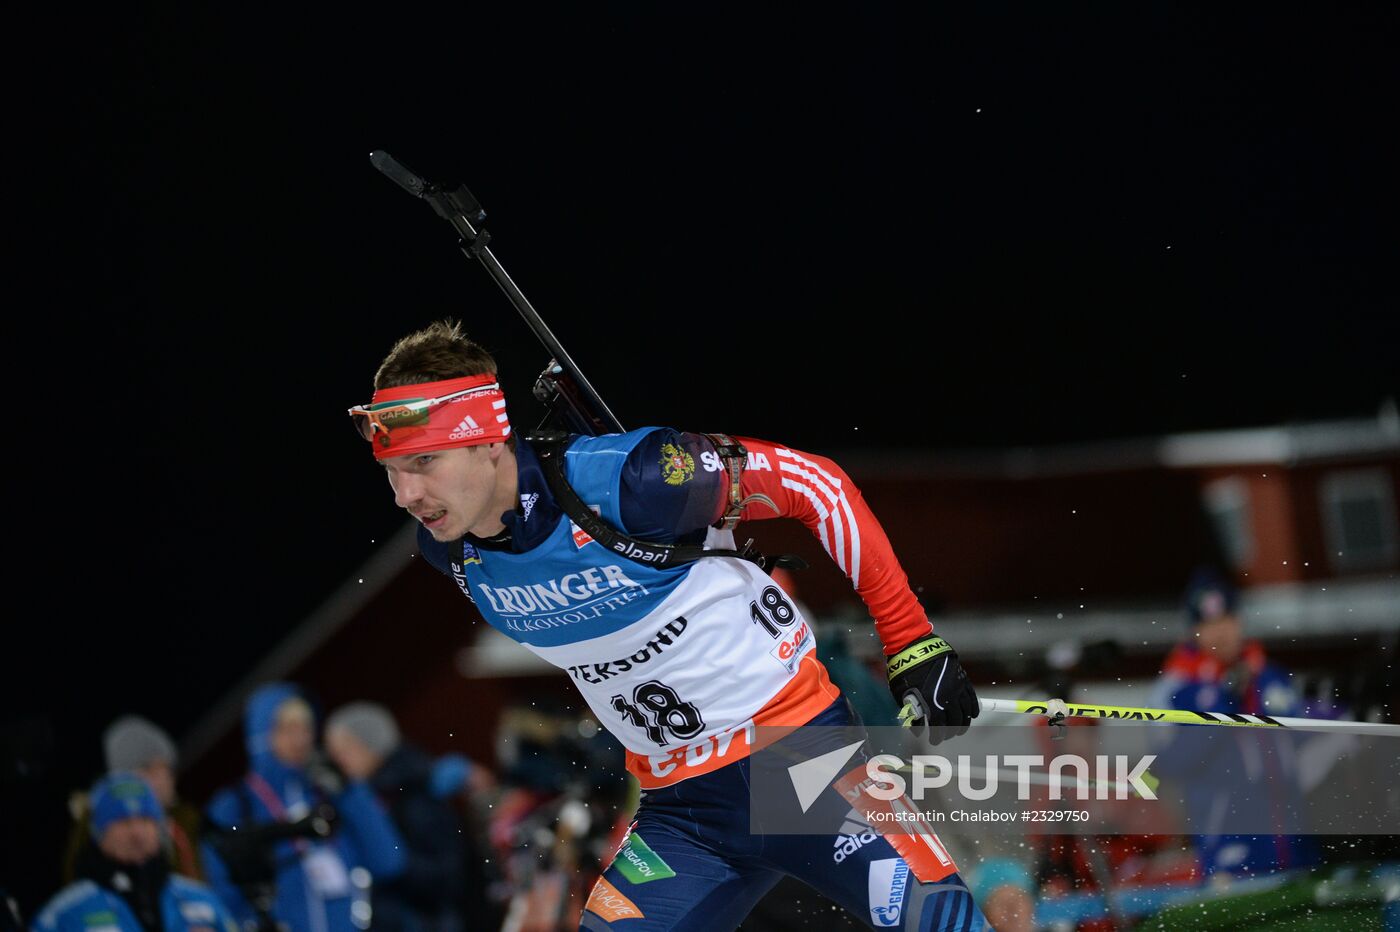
(350, 754)
(132, 841)
(451, 491)
(1222, 637)
(293, 737)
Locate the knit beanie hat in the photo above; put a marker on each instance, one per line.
(122, 795)
(1209, 596)
(133, 743)
(370, 722)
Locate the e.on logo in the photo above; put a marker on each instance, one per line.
(791, 647)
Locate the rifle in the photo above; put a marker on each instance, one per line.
(562, 388)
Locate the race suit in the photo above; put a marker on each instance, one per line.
(682, 663)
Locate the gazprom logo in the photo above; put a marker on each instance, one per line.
(888, 879)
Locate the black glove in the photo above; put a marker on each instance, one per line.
(250, 853)
(326, 776)
(927, 675)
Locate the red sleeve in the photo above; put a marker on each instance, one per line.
(817, 492)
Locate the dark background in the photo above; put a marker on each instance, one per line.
(968, 226)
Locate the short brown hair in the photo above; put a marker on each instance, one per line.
(439, 351)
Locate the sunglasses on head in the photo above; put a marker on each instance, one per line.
(379, 419)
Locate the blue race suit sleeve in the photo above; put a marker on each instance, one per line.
(673, 487)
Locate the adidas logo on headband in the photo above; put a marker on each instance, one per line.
(468, 428)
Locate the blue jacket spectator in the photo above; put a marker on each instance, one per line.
(435, 888)
(125, 880)
(186, 906)
(291, 842)
(1252, 776)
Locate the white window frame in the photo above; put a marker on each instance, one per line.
(1348, 485)
(1224, 499)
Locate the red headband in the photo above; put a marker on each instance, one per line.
(464, 421)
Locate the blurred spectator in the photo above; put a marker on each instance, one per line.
(440, 884)
(293, 843)
(1216, 669)
(134, 744)
(473, 792)
(1138, 846)
(564, 811)
(124, 880)
(1004, 889)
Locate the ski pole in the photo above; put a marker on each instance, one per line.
(1057, 710)
(562, 386)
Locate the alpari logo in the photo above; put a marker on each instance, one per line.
(630, 550)
(468, 428)
(460, 576)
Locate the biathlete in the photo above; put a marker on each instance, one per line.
(587, 550)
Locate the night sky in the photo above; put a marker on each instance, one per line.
(970, 226)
